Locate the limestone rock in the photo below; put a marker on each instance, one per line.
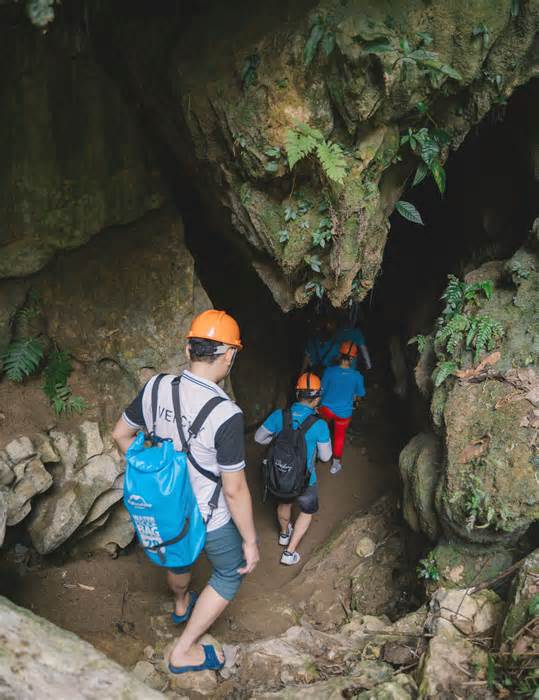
(420, 469)
(450, 662)
(91, 442)
(366, 547)
(489, 454)
(34, 479)
(462, 565)
(230, 123)
(134, 321)
(524, 590)
(6, 473)
(45, 450)
(20, 449)
(68, 448)
(116, 533)
(202, 682)
(41, 659)
(59, 514)
(470, 614)
(148, 674)
(365, 675)
(401, 687)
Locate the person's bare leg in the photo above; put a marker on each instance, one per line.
(300, 528)
(186, 651)
(178, 584)
(284, 515)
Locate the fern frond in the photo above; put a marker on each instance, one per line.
(451, 334)
(331, 159)
(22, 359)
(299, 143)
(56, 373)
(443, 371)
(453, 296)
(488, 331)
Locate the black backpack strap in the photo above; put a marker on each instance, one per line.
(308, 423)
(168, 543)
(287, 418)
(155, 393)
(193, 432)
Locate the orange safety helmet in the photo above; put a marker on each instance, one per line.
(349, 348)
(218, 326)
(309, 384)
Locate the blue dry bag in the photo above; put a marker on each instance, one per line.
(158, 493)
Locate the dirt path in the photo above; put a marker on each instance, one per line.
(124, 603)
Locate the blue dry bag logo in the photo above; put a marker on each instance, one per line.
(138, 502)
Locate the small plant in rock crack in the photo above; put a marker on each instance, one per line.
(427, 568)
(421, 342)
(275, 159)
(56, 387)
(303, 141)
(427, 144)
(322, 34)
(477, 504)
(249, 75)
(481, 30)
(482, 334)
(315, 287)
(323, 234)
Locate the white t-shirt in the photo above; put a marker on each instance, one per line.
(218, 447)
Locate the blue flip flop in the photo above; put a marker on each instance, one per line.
(211, 662)
(178, 619)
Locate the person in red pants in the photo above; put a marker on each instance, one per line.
(341, 387)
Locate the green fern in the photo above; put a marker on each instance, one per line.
(453, 297)
(56, 387)
(450, 335)
(303, 140)
(421, 341)
(300, 142)
(443, 371)
(22, 358)
(331, 159)
(482, 335)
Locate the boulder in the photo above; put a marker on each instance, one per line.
(401, 687)
(114, 533)
(19, 450)
(449, 664)
(462, 565)
(41, 659)
(420, 468)
(59, 514)
(470, 614)
(7, 474)
(523, 598)
(137, 317)
(45, 449)
(33, 479)
(90, 439)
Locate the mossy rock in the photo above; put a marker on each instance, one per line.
(524, 597)
(463, 566)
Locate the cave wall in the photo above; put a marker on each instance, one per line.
(219, 115)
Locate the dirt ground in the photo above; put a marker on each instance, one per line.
(122, 605)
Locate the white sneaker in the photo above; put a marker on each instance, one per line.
(284, 537)
(335, 467)
(290, 558)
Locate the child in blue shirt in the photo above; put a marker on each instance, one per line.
(318, 441)
(342, 386)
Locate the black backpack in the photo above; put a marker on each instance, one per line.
(286, 473)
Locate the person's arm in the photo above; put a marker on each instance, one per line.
(124, 434)
(263, 436)
(130, 423)
(323, 442)
(230, 454)
(238, 498)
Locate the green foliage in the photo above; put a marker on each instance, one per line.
(22, 358)
(427, 144)
(283, 235)
(322, 34)
(515, 8)
(56, 387)
(421, 341)
(481, 30)
(477, 503)
(483, 332)
(443, 371)
(533, 607)
(316, 287)
(324, 233)
(249, 75)
(30, 310)
(302, 141)
(290, 214)
(408, 211)
(457, 293)
(314, 262)
(428, 568)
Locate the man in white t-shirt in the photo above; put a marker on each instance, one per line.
(231, 544)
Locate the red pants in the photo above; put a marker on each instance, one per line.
(340, 426)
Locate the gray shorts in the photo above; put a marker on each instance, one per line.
(308, 501)
(224, 549)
